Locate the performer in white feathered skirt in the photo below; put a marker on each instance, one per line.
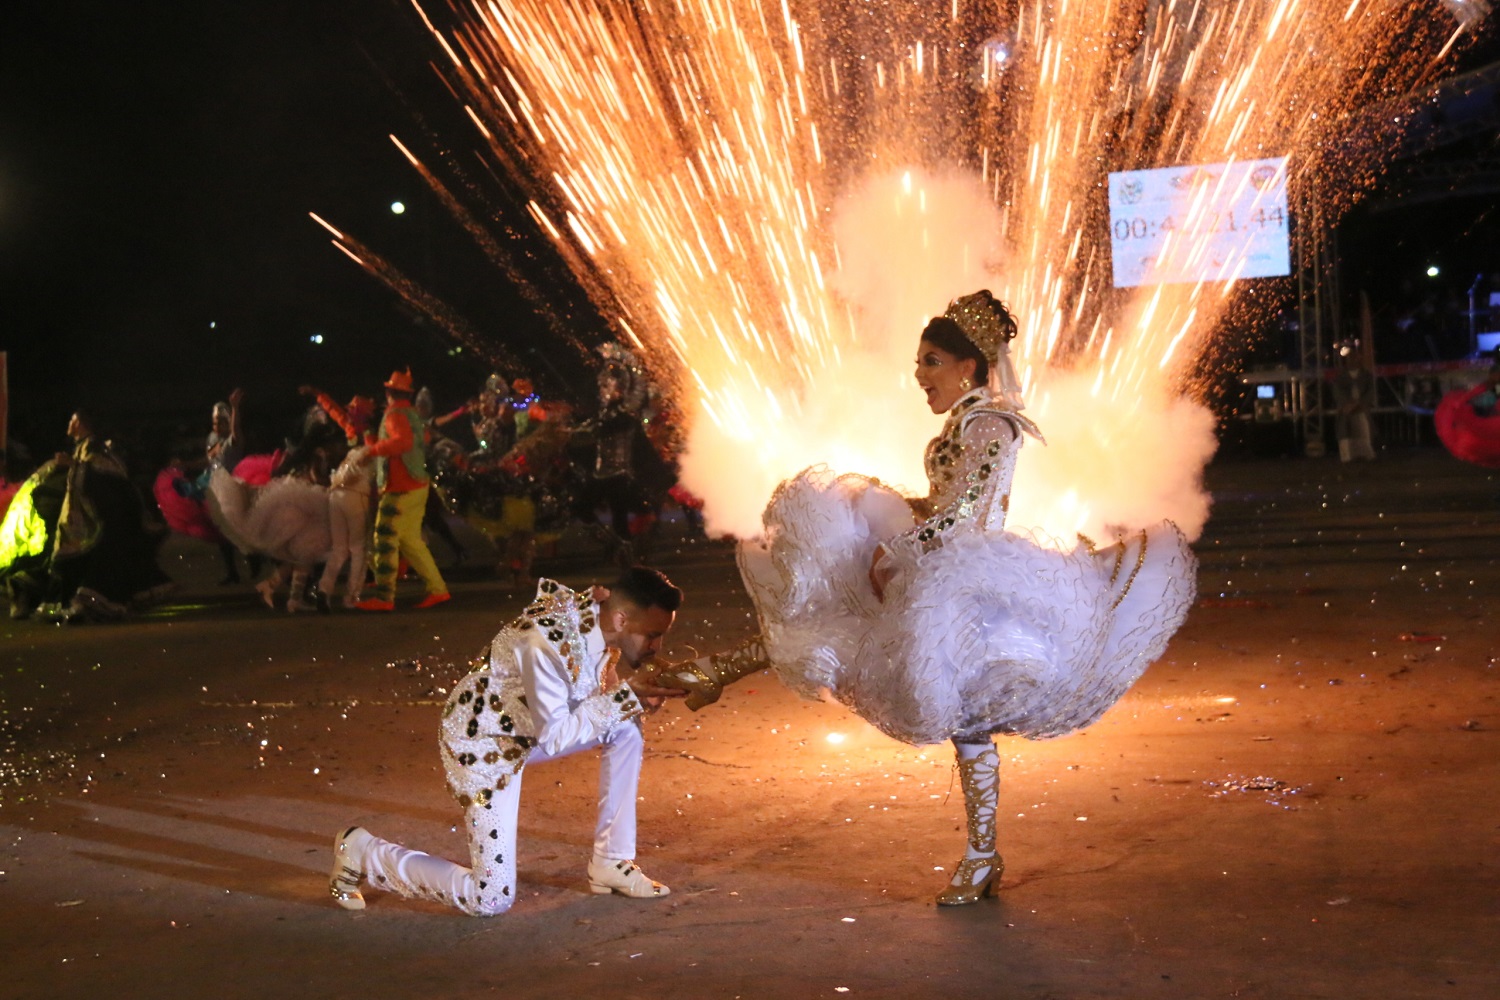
(932, 620)
(286, 519)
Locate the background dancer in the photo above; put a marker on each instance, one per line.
(350, 492)
(402, 476)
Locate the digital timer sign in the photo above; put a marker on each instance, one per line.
(1216, 222)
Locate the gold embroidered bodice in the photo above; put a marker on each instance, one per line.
(970, 465)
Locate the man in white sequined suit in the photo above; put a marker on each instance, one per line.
(545, 687)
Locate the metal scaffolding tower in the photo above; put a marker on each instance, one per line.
(1315, 257)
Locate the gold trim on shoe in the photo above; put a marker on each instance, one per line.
(967, 890)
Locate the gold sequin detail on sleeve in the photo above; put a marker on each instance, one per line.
(969, 467)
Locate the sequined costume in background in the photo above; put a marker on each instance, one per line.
(493, 433)
(629, 476)
(517, 497)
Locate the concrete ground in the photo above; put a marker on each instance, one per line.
(1297, 801)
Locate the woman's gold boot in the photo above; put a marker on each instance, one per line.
(977, 876)
(964, 889)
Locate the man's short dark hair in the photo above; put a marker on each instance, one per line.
(647, 588)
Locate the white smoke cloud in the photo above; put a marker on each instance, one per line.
(1109, 466)
(907, 244)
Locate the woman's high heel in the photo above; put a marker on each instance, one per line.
(964, 889)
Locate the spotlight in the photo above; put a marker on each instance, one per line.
(398, 207)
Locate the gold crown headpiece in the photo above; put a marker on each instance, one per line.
(986, 322)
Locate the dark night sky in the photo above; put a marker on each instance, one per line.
(157, 164)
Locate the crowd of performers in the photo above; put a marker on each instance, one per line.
(926, 617)
(350, 497)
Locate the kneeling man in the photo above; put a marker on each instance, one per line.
(546, 686)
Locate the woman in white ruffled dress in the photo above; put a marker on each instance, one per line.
(286, 520)
(929, 618)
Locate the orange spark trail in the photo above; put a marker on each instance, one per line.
(418, 298)
(772, 197)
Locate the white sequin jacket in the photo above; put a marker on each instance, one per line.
(537, 684)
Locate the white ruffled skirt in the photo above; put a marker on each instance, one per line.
(989, 633)
(286, 519)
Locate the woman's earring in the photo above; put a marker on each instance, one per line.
(966, 384)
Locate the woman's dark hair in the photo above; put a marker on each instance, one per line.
(647, 588)
(945, 333)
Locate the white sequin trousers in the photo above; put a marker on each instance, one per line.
(488, 886)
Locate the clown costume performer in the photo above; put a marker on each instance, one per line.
(400, 452)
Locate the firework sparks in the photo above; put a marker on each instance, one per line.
(769, 199)
(418, 298)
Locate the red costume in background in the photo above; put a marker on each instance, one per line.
(1464, 432)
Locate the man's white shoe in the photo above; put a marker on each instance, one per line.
(348, 868)
(608, 875)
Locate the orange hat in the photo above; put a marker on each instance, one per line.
(400, 381)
